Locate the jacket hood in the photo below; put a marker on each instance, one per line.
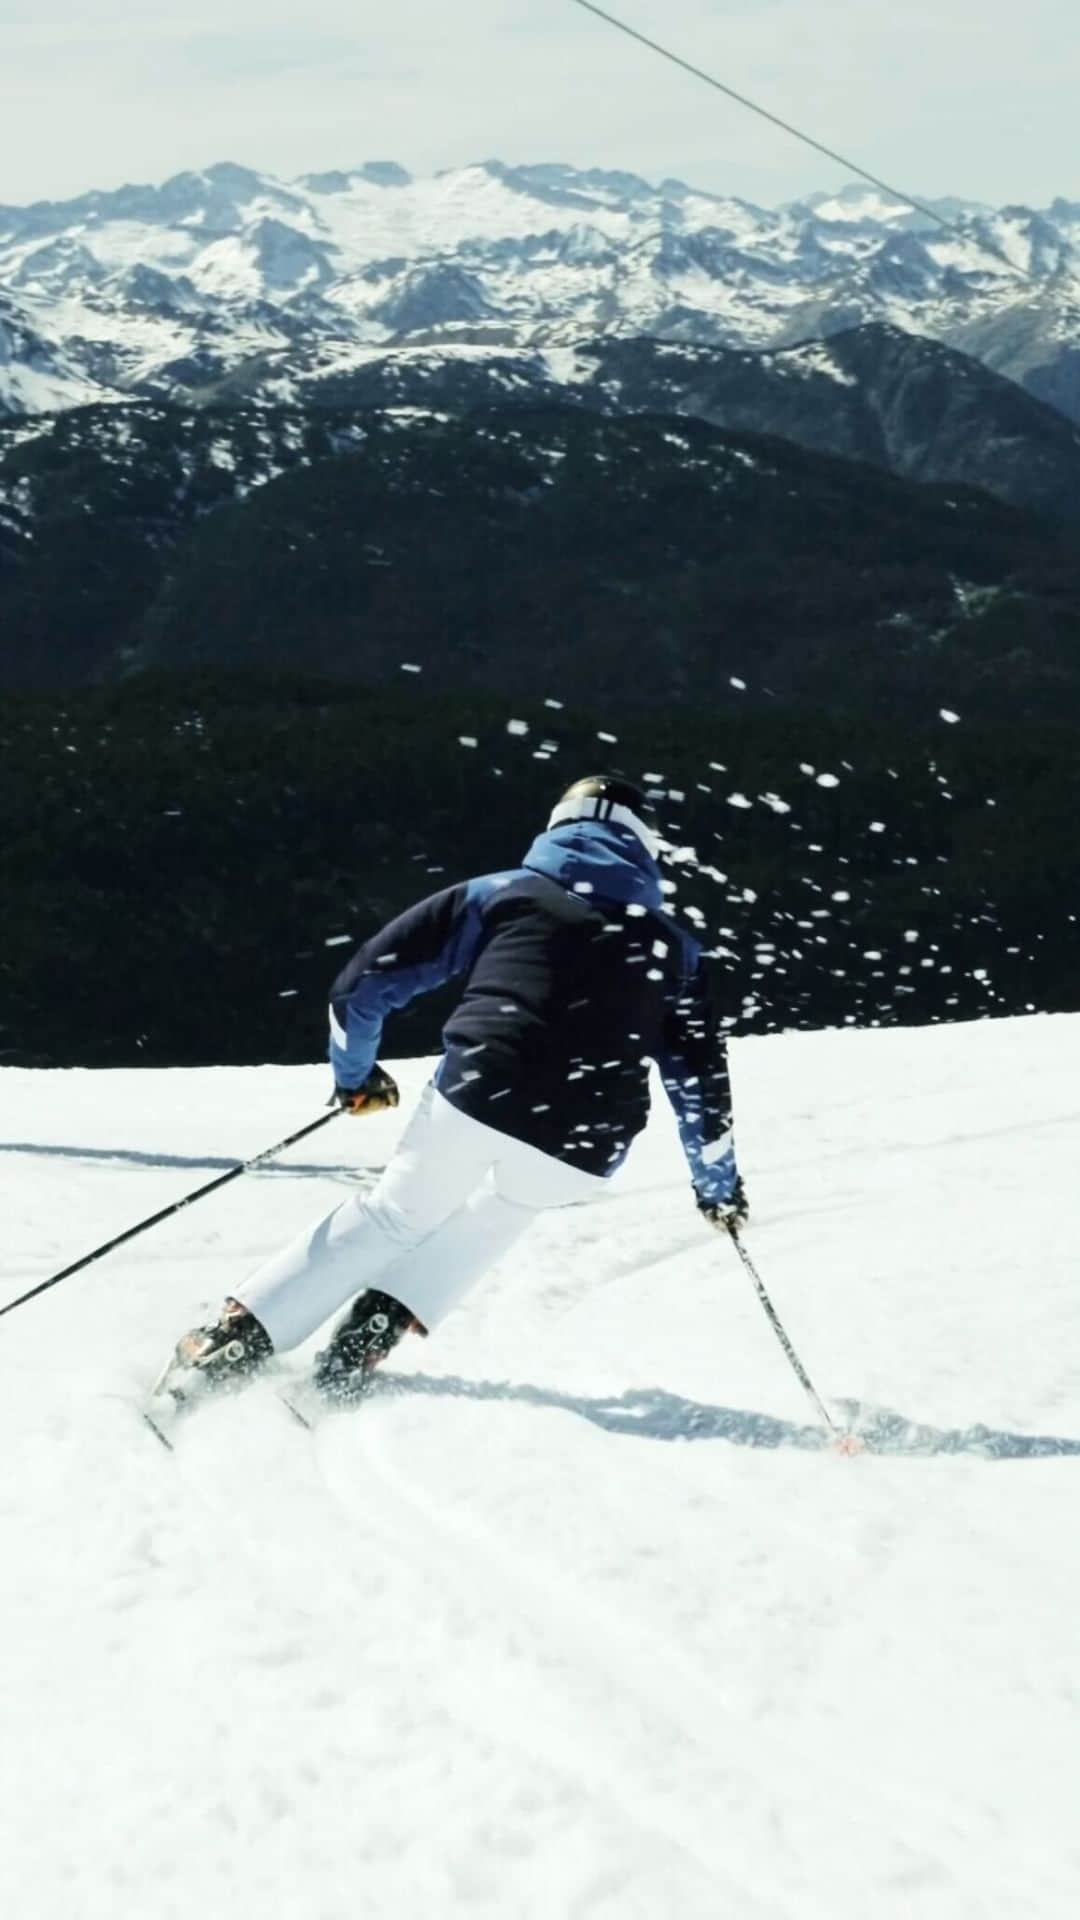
(590, 856)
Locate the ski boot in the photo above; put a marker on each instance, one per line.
(223, 1355)
(373, 1325)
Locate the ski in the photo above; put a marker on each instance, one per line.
(297, 1413)
(159, 1426)
(156, 1430)
(297, 1397)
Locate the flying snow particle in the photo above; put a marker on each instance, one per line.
(467, 740)
(555, 704)
(947, 715)
(409, 666)
(774, 802)
(827, 780)
(520, 727)
(338, 940)
(877, 826)
(736, 682)
(738, 800)
(609, 739)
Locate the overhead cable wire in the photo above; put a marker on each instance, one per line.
(786, 126)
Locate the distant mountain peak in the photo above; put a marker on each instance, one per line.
(235, 263)
(377, 173)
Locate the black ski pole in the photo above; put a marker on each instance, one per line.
(848, 1443)
(164, 1212)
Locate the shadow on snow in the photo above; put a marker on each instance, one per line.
(653, 1414)
(201, 1162)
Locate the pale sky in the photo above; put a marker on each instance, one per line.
(973, 97)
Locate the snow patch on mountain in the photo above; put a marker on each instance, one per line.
(815, 357)
(38, 375)
(172, 288)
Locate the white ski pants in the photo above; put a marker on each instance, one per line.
(453, 1199)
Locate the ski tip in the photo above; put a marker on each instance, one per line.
(152, 1420)
(298, 1414)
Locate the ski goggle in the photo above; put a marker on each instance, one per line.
(609, 812)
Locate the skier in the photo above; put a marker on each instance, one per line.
(575, 979)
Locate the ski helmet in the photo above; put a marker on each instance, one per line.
(609, 798)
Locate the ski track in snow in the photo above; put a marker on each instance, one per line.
(577, 1617)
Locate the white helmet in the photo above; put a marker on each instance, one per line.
(606, 797)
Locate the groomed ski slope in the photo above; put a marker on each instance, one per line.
(577, 1620)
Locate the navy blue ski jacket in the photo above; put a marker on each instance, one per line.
(575, 980)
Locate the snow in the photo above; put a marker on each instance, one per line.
(816, 358)
(446, 210)
(28, 389)
(575, 1617)
(737, 219)
(861, 203)
(133, 243)
(570, 366)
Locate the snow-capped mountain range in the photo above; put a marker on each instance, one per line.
(232, 275)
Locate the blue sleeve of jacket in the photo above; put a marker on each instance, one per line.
(694, 1069)
(419, 951)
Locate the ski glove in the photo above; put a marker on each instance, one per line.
(732, 1212)
(378, 1092)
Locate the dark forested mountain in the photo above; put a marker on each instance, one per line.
(872, 393)
(182, 855)
(548, 550)
(860, 695)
